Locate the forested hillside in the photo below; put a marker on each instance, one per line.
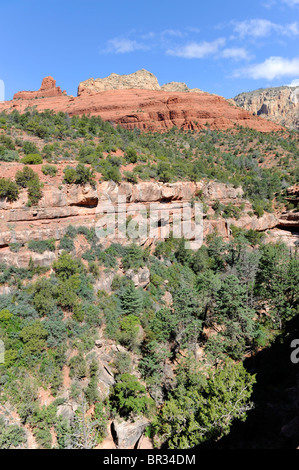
(102, 338)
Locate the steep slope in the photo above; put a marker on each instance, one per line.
(279, 105)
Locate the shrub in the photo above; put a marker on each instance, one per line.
(9, 155)
(78, 367)
(131, 155)
(44, 297)
(122, 362)
(27, 178)
(34, 338)
(70, 175)
(84, 174)
(32, 159)
(8, 189)
(129, 332)
(34, 191)
(29, 147)
(65, 266)
(129, 397)
(111, 173)
(7, 141)
(66, 244)
(134, 257)
(49, 170)
(44, 438)
(164, 172)
(131, 177)
(258, 209)
(79, 175)
(23, 177)
(11, 435)
(40, 246)
(15, 247)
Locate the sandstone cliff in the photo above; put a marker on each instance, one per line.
(84, 205)
(280, 105)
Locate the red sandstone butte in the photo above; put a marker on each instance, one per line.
(48, 89)
(148, 110)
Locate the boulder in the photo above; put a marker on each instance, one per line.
(141, 278)
(67, 412)
(127, 434)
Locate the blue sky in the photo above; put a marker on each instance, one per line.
(220, 47)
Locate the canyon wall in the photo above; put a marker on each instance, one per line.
(86, 206)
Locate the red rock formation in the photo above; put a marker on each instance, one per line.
(148, 110)
(48, 89)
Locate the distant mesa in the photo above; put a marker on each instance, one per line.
(48, 89)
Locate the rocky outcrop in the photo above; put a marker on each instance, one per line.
(48, 89)
(127, 434)
(148, 110)
(67, 412)
(141, 80)
(22, 260)
(175, 86)
(141, 278)
(280, 105)
(104, 283)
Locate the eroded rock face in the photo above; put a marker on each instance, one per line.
(128, 434)
(141, 278)
(21, 260)
(48, 89)
(85, 205)
(142, 79)
(105, 283)
(280, 105)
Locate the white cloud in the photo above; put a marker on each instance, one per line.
(123, 45)
(193, 29)
(172, 32)
(269, 3)
(292, 29)
(294, 82)
(236, 53)
(258, 28)
(195, 50)
(271, 68)
(291, 3)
